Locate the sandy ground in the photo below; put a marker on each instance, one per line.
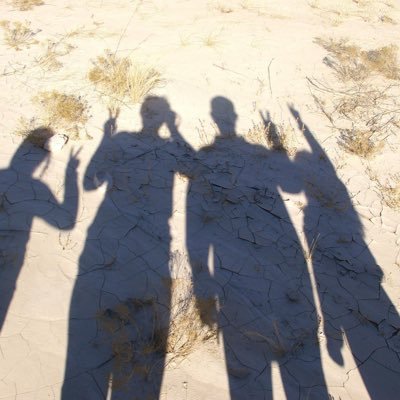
(94, 241)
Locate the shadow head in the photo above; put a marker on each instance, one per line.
(224, 115)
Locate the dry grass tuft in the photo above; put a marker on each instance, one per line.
(25, 5)
(120, 80)
(210, 40)
(18, 34)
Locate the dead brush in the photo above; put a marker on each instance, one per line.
(25, 5)
(193, 320)
(277, 137)
(361, 143)
(140, 337)
(363, 105)
(49, 61)
(350, 62)
(187, 328)
(18, 34)
(120, 80)
(32, 132)
(63, 111)
(390, 191)
(363, 113)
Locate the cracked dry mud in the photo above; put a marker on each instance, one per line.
(178, 262)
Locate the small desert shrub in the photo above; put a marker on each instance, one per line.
(120, 80)
(25, 5)
(18, 34)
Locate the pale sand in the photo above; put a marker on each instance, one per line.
(270, 306)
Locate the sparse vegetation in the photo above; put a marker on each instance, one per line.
(222, 8)
(120, 80)
(390, 191)
(57, 111)
(25, 5)
(350, 62)
(49, 61)
(210, 40)
(31, 132)
(18, 34)
(278, 137)
(139, 334)
(363, 106)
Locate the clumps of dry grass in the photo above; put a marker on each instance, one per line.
(187, 327)
(25, 5)
(64, 111)
(363, 105)
(277, 137)
(390, 191)
(18, 34)
(361, 143)
(350, 62)
(193, 320)
(119, 80)
(141, 337)
(363, 113)
(57, 111)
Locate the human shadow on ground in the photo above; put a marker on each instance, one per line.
(357, 312)
(245, 253)
(23, 198)
(119, 313)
